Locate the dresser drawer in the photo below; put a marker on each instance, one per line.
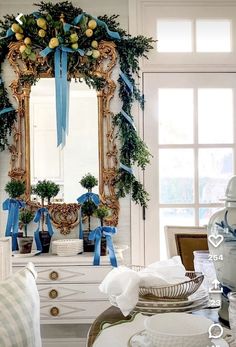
(70, 292)
(72, 274)
(66, 311)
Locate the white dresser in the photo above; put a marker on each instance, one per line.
(68, 287)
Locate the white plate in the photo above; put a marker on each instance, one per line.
(17, 254)
(140, 340)
(119, 334)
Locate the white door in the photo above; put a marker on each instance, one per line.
(190, 127)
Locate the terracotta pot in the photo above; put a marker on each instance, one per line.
(25, 244)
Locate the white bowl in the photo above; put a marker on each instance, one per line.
(178, 330)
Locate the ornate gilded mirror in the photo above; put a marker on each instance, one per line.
(63, 42)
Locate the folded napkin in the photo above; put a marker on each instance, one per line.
(122, 283)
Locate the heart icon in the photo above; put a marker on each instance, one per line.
(215, 240)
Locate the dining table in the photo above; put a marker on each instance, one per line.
(113, 315)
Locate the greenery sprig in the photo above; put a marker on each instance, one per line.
(45, 28)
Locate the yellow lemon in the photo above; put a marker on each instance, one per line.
(75, 45)
(22, 48)
(16, 28)
(94, 44)
(41, 22)
(74, 38)
(53, 43)
(89, 32)
(92, 24)
(19, 36)
(89, 53)
(41, 33)
(27, 41)
(96, 54)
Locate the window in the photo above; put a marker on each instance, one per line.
(181, 35)
(189, 126)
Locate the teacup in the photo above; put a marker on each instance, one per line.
(178, 330)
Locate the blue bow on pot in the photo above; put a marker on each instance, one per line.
(40, 212)
(81, 200)
(13, 206)
(96, 235)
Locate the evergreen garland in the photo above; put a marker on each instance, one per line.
(133, 151)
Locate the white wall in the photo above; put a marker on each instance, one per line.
(98, 7)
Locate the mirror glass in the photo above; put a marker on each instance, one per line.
(80, 155)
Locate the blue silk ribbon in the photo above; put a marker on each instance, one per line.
(128, 118)
(127, 81)
(126, 168)
(62, 88)
(8, 34)
(13, 206)
(96, 235)
(5, 110)
(37, 219)
(81, 200)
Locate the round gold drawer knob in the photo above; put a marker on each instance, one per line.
(53, 294)
(54, 311)
(53, 275)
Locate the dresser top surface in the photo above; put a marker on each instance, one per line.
(85, 259)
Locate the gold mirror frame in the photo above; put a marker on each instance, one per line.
(65, 216)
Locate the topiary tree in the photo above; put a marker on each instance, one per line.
(15, 188)
(89, 181)
(46, 189)
(25, 217)
(102, 212)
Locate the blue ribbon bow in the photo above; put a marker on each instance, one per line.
(37, 218)
(8, 34)
(81, 200)
(13, 206)
(96, 235)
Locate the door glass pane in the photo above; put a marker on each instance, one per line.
(215, 115)
(174, 36)
(175, 108)
(205, 213)
(173, 216)
(213, 35)
(176, 176)
(215, 169)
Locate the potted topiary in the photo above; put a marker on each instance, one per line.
(13, 204)
(101, 213)
(89, 203)
(24, 241)
(45, 190)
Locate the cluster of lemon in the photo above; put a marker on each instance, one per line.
(26, 49)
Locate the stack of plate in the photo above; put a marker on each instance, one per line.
(67, 247)
(194, 302)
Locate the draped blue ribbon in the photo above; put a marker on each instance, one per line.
(81, 200)
(127, 81)
(13, 206)
(96, 235)
(8, 34)
(126, 168)
(76, 21)
(5, 110)
(37, 219)
(62, 88)
(128, 118)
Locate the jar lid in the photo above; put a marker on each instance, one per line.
(230, 193)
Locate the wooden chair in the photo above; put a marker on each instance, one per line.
(184, 240)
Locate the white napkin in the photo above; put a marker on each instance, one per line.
(123, 283)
